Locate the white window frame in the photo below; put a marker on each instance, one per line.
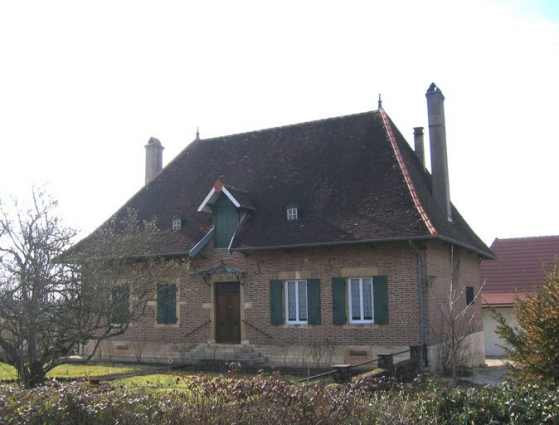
(177, 225)
(292, 214)
(361, 304)
(297, 305)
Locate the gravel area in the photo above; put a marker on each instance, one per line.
(493, 373)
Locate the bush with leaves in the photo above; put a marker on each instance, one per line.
(534, 343)
(271, 400)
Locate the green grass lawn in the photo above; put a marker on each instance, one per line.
(158, 381)
(7, 371)
(69, 370)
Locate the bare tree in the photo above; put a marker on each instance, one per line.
(54, 297)
(457, 321)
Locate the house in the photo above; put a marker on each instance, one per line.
(519, 271)
(326, 240)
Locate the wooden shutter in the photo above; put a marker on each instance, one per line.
(121, 304)
(380, 299)
(470, 295)
(167, 303)
(276, 304)
(226, 219)
(313, 301)
(339, 301)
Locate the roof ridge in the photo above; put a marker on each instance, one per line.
(406, 174)
(289, 125)
(527, 238)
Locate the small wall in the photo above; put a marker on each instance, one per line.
(493, 342)
(130, 351)
(317, 357)
(474, 349)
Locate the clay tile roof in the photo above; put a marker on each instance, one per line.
(520, 268)
(354, 179)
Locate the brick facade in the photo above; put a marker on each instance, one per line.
(295, 345)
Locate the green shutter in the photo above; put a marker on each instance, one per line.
(338, 301)
(167, 303)
(380, 298)
(313, 301)
(121, 304)
(276, 304)
(226, 219)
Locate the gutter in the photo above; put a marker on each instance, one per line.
(421, 304)
(371, 241)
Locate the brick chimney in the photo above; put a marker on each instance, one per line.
(437, 139)
(154, 158)
(419, 145)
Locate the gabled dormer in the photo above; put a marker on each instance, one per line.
(229, 208)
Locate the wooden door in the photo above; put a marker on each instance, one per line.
(228, 312)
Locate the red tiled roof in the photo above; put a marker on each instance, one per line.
(520, 268)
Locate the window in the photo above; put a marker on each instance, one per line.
(296, 307)
(470, 298)
(177, 224)
(361, 300)
(167, 303)
(291, 214)
(120, 312)
(295, 302)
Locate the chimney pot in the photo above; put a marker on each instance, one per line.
(154, 158)
(437, 139)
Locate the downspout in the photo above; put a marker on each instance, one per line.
(421, 304)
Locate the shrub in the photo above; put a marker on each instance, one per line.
(534, 344)
(262, 400)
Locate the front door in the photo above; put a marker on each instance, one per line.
(228, 312)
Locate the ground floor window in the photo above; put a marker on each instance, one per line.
(166, 303)
(361, 306)
(361, 300)
(296, 305)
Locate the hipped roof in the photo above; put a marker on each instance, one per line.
(353, 178)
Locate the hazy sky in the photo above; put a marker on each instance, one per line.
(83, 86)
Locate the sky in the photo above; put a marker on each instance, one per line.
(84, 85)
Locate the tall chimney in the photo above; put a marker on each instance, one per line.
(154, 158)
(419, 145)
(437, 138)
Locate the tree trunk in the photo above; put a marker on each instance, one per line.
(33, 375)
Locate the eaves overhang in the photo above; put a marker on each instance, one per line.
(486, 255)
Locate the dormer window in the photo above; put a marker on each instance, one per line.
(291, 213)
(177, 223)
(229, 208)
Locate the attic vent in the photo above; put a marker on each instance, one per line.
(291, 213)
(177, 223)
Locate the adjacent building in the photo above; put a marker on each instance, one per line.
(520, 269)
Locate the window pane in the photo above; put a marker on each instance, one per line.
(355, 302)
(367, 299)
(302, 300)
(292, 308)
